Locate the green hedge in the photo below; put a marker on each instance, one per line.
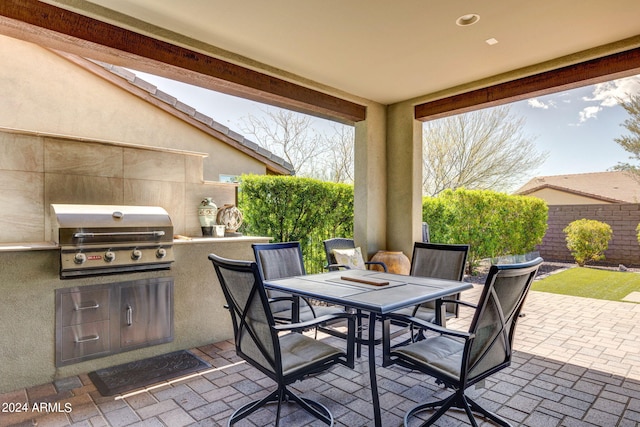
(297, 209)
(309, 211)
(493, 224)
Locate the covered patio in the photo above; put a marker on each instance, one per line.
(575, 364)
(383, 67)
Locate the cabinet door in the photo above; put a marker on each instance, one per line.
(146, 313)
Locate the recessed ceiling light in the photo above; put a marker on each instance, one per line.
(468, 19)
(491, 41)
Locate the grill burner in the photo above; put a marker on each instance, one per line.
(105, 239)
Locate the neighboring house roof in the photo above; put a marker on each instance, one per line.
(133, 84)
(610, 187)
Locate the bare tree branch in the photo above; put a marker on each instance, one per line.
(292, 136)
(480, 150)
(287, 134)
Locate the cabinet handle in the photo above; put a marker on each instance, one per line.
(129, 315)
(88, 307)
(87, 339)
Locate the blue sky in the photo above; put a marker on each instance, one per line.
(577, 128)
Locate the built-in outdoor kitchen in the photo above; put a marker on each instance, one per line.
(120, 274)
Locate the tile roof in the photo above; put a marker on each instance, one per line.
(129, 81)
(612, 187)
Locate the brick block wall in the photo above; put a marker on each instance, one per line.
(623, 219)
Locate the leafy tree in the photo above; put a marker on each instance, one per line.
(631, 142)
(481, 150)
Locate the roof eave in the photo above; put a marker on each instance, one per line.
(570, 191)
(128, 81)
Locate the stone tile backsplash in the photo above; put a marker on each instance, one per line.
(37, 171)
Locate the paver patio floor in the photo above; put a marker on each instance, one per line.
(576, 363)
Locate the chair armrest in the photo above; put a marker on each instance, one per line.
(276, 299)
(333, 267)
(465, 303)
(380, 263)
(292, 299)
(351, 331)
(311, 323)
(430, 326)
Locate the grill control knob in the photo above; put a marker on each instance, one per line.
(161, 253)
(136, 254)
(79, 258)
(109, 256)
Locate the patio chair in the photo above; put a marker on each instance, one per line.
(278, 260)
(283, 357)
(461, 359)
(425, 233)
(443, 261)
(350, 254)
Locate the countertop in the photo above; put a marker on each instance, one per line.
(179, 240)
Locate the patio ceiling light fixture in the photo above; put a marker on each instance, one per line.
(468, 19)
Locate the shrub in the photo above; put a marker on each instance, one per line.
(289, 208)
(587, 240)
(493, 224)
(307, 210)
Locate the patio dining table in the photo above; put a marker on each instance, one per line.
(376, 293)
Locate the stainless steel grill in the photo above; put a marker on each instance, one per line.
(107, 239)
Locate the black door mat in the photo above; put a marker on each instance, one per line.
(130, 376)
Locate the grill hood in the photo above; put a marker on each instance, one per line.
(102, 239)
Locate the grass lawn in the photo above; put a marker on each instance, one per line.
(590, 283)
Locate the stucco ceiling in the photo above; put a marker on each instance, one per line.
(389, 51)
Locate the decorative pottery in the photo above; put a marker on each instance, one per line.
(396, 262)
(231, 217)
(207, 214)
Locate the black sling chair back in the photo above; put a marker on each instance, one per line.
(283, 357)
(460, 359)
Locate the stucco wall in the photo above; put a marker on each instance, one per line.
(38, 171)
(623, 219)
(45, 93)
(28, 280)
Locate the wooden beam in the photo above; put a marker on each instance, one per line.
(60, 29)
(618, 65)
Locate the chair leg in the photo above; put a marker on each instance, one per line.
(316, 409)
(458, 400)
(283, 394)
(253, 406)
(443, 405)
(488, 414)
(467, 409)
(359, 333)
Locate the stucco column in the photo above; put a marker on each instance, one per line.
(370, 187)
(404, 178)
